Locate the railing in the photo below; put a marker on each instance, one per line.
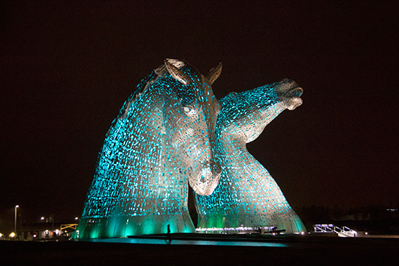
(343, 231)
(241, 230)
(65, 226)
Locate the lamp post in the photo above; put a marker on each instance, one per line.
(15, 223)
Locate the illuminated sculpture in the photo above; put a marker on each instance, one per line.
(172, 132)
(161, 140)
(247, 196)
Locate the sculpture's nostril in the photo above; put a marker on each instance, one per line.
(216, 168)
(296, 92)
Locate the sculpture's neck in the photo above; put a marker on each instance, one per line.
(260, 119)
(249, 112)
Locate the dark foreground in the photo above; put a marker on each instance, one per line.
(306, 250)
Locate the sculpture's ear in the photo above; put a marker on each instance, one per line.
(176, 73)
(214, 73)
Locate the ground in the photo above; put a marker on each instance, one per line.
(305, 250)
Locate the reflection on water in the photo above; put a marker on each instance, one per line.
(188, 242)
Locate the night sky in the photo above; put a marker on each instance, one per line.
(68, 66)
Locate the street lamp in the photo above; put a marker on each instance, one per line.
(52, 222)
(15, 223)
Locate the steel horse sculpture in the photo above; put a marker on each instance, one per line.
(172, 133)
(247, 197)
(160, 142)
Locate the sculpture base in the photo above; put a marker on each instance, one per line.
(123, 226)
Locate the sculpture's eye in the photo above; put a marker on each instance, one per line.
(189, 110)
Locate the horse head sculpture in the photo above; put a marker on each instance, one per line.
(161, 141)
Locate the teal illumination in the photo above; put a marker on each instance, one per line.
(161, 142)
(247, 195)
(172, 132)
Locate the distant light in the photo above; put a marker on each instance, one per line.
(1, 235)
(303, 233)
(16, 206)
(42, 218)
(12, 235)
(366, 233)
(76, 218)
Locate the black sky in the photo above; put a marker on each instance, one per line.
(68, 66)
